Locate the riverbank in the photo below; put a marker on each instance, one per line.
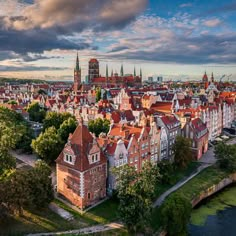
(208, 182)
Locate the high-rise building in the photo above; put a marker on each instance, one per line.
(77, 75)
(93, 70)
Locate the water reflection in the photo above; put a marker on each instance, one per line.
(216, 216)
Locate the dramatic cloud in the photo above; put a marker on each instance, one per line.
(57, 13)
(176, 40)
(30, 68)
(212, 22)
(35, 26)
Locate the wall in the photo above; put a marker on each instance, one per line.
(214, 189)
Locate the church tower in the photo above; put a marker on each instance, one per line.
(77, 75)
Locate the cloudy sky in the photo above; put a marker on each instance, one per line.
(176, 39)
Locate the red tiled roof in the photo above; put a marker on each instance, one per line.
(198, 125)
(185, 102)
(81, 142)
(169, 120)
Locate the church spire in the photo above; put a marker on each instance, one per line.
(134, 71)
(77, 63)
(121, 70)
(106, 71)
(141, 74)
(212, 78)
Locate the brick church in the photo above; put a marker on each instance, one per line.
(82, 169)
(115, 80)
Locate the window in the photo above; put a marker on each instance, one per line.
(121, 155)
(131, 160)
(136, 159)
(88, 195)
(96, 157)
(68, 158)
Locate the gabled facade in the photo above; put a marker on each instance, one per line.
(82, 169)
(197, 131)
(172, 127)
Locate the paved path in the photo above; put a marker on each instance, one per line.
(207, 160)
(61, 212)
(30, 161)
(88, 230)
(160, 200)
(27, 159)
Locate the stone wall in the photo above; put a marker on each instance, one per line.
(208, 192)
(214, 189)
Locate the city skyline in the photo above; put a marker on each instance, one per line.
(177, 40)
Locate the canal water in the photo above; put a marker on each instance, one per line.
(215, 216)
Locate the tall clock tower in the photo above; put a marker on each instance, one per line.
(77, 75)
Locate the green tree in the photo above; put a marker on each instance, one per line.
(26, 188)
(166, 169)
(226, 156)
(67, 127)
(98, 94)
(48, 145)
(40, 185)
(36, 113)
(14, 130)
(135, 193)
(175, 214)
(55, 119)
(7, 161)
(182, 152)
(16, 191)
(99, 126)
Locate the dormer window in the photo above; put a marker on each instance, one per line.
(94, 157)
(68, 158)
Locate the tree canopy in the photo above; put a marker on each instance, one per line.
(226, 156)
(99, 126)
(55, 119)
(26, 188)
(182, 152)
(175, 214)
(48, 145)
(36, 113)
(67, 127)
(135, 193)
(14, 130)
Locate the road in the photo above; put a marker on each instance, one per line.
(88, 230)
(30, 161)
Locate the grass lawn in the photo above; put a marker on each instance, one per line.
(177, 176)
(47, 221)
(208, 177)
(35, 222)
(101, 214)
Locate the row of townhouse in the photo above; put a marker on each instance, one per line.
(84, 167)
(81, 163)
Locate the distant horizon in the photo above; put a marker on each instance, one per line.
(176, 39)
